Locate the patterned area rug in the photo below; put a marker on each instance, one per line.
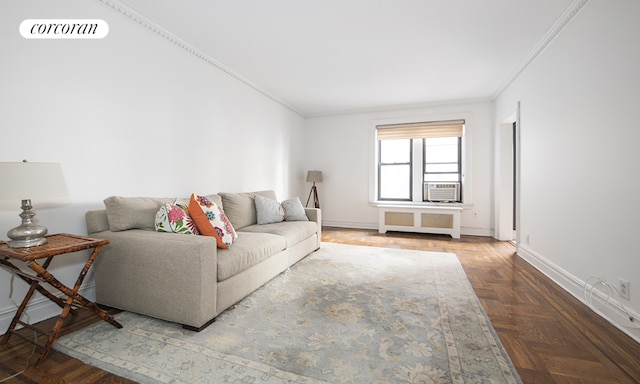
(345, 314)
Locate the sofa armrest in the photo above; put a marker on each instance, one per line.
(165, 275)
(315, 214)
(97, 221)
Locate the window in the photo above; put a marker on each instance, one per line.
(442, 159)
(412, 155)
(395, 169)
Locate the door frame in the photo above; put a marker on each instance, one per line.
(506, 212)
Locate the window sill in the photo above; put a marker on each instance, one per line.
(413, 204)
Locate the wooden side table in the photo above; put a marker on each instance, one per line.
(58, 244)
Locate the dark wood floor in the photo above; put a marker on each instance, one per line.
(549, 335)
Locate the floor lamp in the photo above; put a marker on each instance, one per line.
(314, 177)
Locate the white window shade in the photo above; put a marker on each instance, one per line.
(451, 128)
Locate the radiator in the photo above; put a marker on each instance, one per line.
(422, 219)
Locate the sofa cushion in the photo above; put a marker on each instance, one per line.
(212, 221)
(293, 231)
(133, 212)
(240, 208)
(270, 211)
(174, 217)
(248, 250)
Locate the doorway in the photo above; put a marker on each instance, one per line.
(514, 177)
(507, 165)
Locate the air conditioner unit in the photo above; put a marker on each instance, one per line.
(443, 192)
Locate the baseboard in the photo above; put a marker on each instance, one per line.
(612, 313)
(468, 231)
(39, 308)
(349, 224)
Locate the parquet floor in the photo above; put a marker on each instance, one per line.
(549, 335)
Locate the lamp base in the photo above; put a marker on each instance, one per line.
(27, 234)
(314, 192)
(26, 243)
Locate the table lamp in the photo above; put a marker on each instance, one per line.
(24, 181)
(314, 177)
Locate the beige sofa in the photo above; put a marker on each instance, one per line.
(185, 278)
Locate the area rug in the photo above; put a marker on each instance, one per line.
(344, 314)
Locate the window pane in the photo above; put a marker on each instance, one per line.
(395, 151)
(441, 150)
(437, 177)
(429, 168)
(441, 153)
(441, 159)
(395, 182)
(441, 141)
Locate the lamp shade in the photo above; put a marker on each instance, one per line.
(34, 181)
(314, 176)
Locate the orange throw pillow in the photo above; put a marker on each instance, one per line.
(211, 221)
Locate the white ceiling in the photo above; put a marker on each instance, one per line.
(329, 56)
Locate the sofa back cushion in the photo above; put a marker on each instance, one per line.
(240, 208)
(133, 212)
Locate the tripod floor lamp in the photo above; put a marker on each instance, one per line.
(314, 177)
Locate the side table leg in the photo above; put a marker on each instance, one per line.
(72, 296)
(56, 328)
(34, 285)
(21, 308)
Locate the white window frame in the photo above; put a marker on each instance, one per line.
(417, 193)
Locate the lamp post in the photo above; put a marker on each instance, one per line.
(314, 177)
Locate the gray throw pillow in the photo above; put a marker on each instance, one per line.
(294, 211)
(240, 208)
(270, 211)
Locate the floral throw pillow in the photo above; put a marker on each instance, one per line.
(211, 221)
(174, 217)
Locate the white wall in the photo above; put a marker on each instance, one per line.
(132, 115)
(579, 151)
(342, 147)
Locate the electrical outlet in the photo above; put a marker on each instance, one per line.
(624, 287)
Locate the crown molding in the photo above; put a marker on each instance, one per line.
(405, 107)
(571, 11)
(568, 15)
(161, 32)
